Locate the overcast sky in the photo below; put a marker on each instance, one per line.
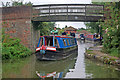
(59, 24)
(38, 2)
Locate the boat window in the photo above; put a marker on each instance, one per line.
(71, 41)
(56, 43)
(93, 36)
(41, 41)
(49, 41)
(74, 41)
(64, 42)
(67, 42)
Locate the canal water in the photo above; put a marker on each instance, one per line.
(72, 67)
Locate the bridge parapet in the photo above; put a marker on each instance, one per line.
(68, 12)
(17, 12)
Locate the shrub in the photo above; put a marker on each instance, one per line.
(12, 48)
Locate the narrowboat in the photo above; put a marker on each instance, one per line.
(56, 47)
(82, 37)
(93, 37)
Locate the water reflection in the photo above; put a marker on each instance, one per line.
(79, 70)
(27, 67)
(86, 68)
(19, 68)
(72, 68)
(58, 66)
(95, 69)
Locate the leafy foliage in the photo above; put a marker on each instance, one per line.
(93, 27)
(20, 3)
(44, 27)
(110, 28)
(12, 48)
(61, 31)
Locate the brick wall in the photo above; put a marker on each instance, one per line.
(19, 12)
(17, 23)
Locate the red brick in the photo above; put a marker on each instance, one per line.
(16, 25)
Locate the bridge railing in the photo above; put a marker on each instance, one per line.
(67, 10)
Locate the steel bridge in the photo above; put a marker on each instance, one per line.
(68, 12)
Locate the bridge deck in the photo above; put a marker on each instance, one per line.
(68, 12)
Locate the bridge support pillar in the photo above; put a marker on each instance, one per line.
(17, 23)
(23, 30)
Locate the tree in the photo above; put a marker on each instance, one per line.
(110, 28)
(65, 26)
(44, 27)
(93, 26)
(81, 28)
(20, 3)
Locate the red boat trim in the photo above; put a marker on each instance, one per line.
(47, 48)
(48, 75)
(60, 36)
(63, 36)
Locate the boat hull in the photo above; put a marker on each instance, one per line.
(90, 39)
(60, 53)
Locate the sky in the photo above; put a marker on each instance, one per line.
(58, 24)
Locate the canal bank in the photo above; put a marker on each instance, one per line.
(97, 54)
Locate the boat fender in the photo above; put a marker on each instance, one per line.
(43, 47)
(42, 51)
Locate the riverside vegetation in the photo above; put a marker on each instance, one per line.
(109, 29)
(12, 48)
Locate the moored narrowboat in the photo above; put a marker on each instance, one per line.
(56, 47)
(82, 37)
(93, 37)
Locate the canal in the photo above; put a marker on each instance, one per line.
(72, 67)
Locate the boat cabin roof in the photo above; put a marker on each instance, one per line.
(61, 36)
